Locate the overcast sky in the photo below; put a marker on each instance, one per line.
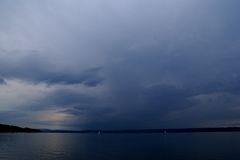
(89, 64)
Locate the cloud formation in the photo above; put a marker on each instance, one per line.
(119, 64)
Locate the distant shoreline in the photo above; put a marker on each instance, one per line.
(15, 129)
(150, 131)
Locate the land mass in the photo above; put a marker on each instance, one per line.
(14, 129)
(176, 130)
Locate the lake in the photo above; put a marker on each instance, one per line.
(70, 146)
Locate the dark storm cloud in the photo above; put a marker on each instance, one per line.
(37, 68)
(75, 110)
(2, 81)
(65, 98)
(145, 64)
(89, 78)
(5, 115)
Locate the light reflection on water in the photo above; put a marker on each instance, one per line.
(43, 146)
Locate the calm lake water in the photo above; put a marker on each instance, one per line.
(57, 146)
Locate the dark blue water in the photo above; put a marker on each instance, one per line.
(57, 146)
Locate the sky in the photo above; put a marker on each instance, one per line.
(128, 64)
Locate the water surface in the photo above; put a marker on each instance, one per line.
(70, 146)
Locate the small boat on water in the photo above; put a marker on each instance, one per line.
(164, 132)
